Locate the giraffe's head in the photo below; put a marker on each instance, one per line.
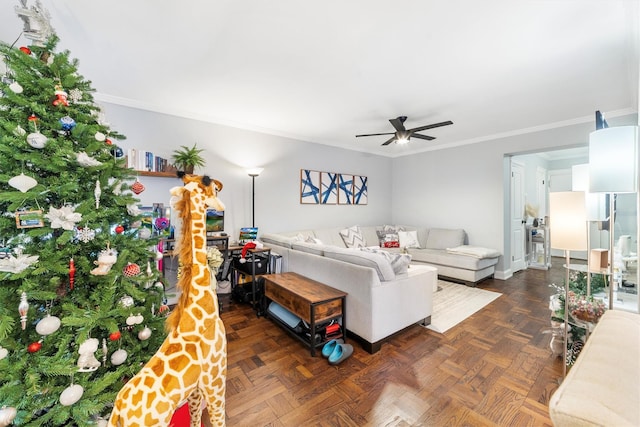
(209, 186)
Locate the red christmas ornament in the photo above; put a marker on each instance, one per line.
(26, 50)
(34, 346)
(72, 273)
(115, 336)
(119, 229)
(137, 187)
(33, 118)
(108, 141)
(131, 270)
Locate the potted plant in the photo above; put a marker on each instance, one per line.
(186, 159)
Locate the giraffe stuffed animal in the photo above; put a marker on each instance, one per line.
(191, 364)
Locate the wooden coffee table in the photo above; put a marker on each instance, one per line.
(311, 301)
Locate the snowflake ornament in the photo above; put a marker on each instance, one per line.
(65, 217)
(75, 95)
(85, 234)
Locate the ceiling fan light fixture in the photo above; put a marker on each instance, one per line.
(402, 140)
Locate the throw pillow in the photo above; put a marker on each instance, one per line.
(399, 262)
(352, 237)
(313, 240)
(388, 239)
(408, 239)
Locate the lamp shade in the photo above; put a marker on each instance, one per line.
(613, 160)
(595, 202)
(568, 220)
(254, 171)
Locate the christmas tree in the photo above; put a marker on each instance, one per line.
(81, 298)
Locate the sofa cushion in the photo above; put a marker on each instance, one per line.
(330, 236)
(440, 257)
(352, 237)
(310, 248)
(367, 259)
(399, 261)
(441, 238)
(474, 251)
(408, 239)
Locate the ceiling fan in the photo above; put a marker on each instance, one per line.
(403, 135)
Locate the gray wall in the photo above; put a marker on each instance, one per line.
(229, 151)
(462, 187)
(468, 186)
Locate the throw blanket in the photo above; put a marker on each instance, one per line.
(474, 251)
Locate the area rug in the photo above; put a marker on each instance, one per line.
(453, 303)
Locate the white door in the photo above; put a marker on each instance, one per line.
(517, 217)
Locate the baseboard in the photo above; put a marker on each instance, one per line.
(503, 275)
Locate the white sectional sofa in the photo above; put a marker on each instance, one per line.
(386, 295)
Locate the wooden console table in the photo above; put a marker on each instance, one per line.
(311, 301)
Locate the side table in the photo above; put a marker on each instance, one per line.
(311, 301)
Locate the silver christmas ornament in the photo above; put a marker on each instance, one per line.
(118, 357)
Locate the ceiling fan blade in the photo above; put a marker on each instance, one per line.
(398, 123)
(389, 141)
(427, 137)
(435, 125)
(376, 134)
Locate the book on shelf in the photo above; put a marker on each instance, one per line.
(142, 160)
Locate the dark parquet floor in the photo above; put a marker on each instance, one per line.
(493, 369)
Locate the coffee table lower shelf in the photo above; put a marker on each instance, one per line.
(311, 301)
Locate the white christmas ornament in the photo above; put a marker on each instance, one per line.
(118, 357)
(75, 95)
(86, 160)
(71, 394)
(37, 140)
(23, 182)
(64, 218)
(87, 361)
(97, 193)
(126, 301)
(85, 234)
(135, 320)
(17, 264)
(3, 352)
(48, 325)
(133, 210)
(15, 87)
(100, 136)
(144, 233)
(7, 415)
(19, 131)
(144, 334)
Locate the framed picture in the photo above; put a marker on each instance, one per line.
(329, 186)
(309, 187)
(360, 191)
(29, 219)
(345, 189)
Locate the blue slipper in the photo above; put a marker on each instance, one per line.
(340, 353)
(330, 346)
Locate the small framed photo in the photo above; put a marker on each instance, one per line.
(29, 219)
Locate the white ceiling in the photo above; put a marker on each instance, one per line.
(326, 71)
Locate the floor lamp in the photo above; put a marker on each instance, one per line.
(568, 231)
(253, 173)
(613, 169)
